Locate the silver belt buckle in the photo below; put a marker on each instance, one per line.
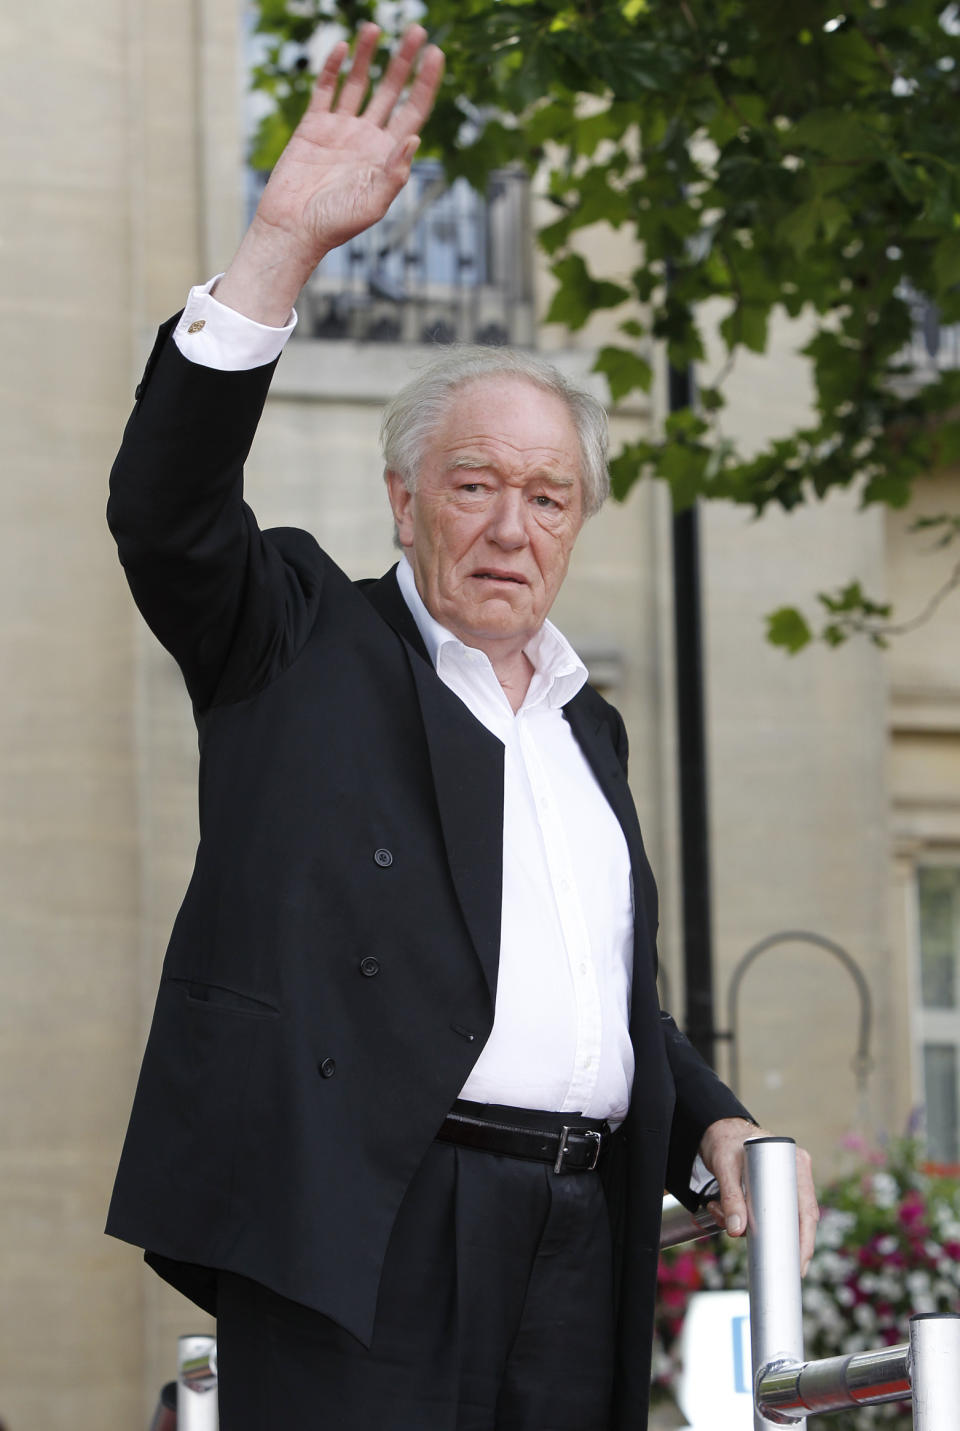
(587, 1133)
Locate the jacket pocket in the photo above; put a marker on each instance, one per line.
(219, 998)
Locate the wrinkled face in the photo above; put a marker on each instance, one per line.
(497, 509)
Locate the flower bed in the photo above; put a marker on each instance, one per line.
(888, 1246)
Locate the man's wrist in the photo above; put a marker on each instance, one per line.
(266, 274)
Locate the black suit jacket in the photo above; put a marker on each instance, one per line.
(331, 976)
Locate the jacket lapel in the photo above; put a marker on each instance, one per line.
(594, 740)
(467, 765)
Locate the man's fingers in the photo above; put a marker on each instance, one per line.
(326, 86)
(355, 85)
(809, 1209)
(390, 88)
(413, 113)
(731, 1204)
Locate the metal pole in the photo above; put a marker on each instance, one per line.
(700, 1019)
(678, 1225)
(776, 1320)
(935, 1371)
(197, 1384)
(836, 1383)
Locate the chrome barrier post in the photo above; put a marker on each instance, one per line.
(935, 1370)
(776, 1318)
(197, 1384)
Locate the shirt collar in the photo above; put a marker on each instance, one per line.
(558, 672)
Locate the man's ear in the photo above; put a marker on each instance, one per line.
(401, 501)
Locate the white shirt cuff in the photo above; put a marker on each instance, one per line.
(701, 1177)
(215, 336)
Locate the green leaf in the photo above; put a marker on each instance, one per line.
(912, 186)
(710, 399)
(624, 371)
(786, 627)
(946, 261)
(801, 227)
(684, 468)
(840, 133)
(746, 325)
(948, 444)
(629, 465)
(579, 295)
(685, 424)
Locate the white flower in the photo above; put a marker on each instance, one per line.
(886, 1245)
(844, 1296)
(884, 1189)
(834, 1227)
(918, 1284)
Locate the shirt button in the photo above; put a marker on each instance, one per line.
(328, 1068)
(369, 967)
(383, 858)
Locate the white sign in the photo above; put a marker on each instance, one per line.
(715, 1392)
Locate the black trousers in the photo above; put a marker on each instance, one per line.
(495, 1314)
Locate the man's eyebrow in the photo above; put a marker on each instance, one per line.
(478, 464)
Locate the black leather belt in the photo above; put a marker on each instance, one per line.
(574, 1147)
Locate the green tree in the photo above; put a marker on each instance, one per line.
(790, 158)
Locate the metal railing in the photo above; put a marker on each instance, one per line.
(445, 265)
(933, 347)
(925, 1369)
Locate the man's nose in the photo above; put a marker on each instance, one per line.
(508, 519)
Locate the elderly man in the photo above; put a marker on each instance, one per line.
(408, 1104)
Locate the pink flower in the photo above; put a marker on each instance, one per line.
(912, 1212)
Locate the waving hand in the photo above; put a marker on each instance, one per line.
(341, 170)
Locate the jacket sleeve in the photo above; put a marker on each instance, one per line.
(229, 602)
(702, 1098)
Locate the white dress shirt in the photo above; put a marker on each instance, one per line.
(560, 1037)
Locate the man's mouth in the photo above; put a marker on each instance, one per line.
(494, 575)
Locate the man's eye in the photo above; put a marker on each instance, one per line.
(543, 501)
(471, 487)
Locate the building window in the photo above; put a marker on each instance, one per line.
(445, 265)
(938, 888)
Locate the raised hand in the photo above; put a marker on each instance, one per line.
(338, 175)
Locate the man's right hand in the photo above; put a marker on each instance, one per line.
(338, 175)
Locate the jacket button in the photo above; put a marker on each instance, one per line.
(328, 1068)
(383, 858)
(369, 967)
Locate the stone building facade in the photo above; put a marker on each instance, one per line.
(835, 777)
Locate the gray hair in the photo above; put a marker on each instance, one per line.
(419, 408)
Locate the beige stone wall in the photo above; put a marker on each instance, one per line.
(799, 797)
(100, 227)
(924, 737)
(68, 859)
